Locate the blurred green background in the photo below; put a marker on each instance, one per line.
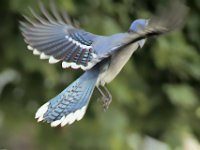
(156, 97)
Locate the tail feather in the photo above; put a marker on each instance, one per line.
(71, 103)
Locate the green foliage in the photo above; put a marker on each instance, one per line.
(181, 95)
(156, 94)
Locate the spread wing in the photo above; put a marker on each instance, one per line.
(54, 37)
(167, 19)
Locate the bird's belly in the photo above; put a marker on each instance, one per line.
(117, 62)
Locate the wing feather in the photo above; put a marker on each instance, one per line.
(54, 37)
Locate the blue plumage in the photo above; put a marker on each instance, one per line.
(102, 57)
(138, 25)
(75, 97)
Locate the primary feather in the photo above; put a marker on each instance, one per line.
(53, 36)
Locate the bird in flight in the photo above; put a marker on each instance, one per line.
(53, 36)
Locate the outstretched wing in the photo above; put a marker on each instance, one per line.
(167, 19)
(54, 37)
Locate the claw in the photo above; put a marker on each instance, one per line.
(106, 102)
(106, 97)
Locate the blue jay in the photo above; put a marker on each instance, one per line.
(55, 38)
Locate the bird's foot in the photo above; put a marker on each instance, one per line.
(106, 97)
(106, 102)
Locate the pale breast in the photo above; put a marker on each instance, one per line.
(118, 60)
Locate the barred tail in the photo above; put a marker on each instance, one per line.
(71, 103)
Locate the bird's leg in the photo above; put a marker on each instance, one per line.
(101, 92)
(106, 97)
(103, 96)
(108, 93)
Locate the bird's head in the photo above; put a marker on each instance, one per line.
(136, 27)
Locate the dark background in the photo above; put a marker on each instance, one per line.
(156, 97)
